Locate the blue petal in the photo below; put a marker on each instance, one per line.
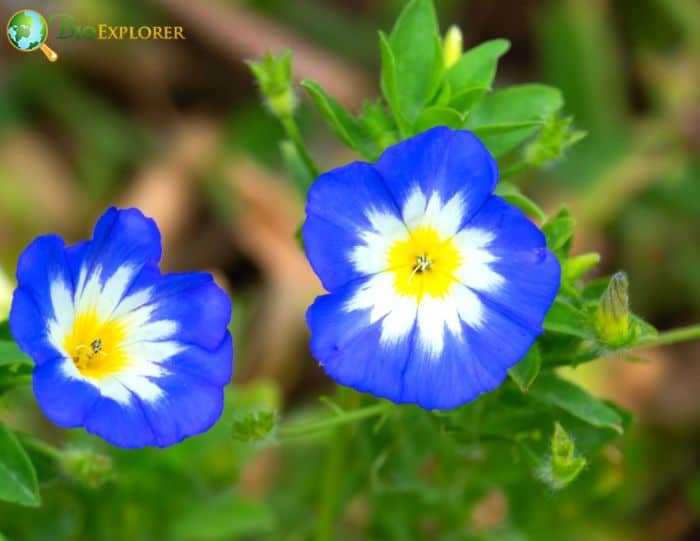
(441, 161)
(199, 306)
(42, 263)
(348, 346)
(123, 425)
(193, 394)
(336, 214)
(469, 365)
(532, 273)
(121, 238)
(64, 400)
(214, 366)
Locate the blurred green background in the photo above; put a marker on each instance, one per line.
(176, 128)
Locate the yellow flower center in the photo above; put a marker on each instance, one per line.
(424, 264)
(96, 346)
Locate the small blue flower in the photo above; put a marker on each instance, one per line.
(135, 356)
(436, 285)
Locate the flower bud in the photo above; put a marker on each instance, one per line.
(87, 467)
(253, 426)
(563, 466)
(612, 321)
(274, 75)
(452, 46)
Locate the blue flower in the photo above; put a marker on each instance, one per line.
(135, 356)
(436, 285)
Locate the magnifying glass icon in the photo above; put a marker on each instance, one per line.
(27, 31)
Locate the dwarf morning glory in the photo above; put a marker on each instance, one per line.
(135, 356)
(436, 286)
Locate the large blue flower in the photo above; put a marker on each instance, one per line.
(436, 285)
(135, 356)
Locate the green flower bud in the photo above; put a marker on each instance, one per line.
(452, 46)
(274, 75)
(253, 426)
(612, 319)
(563, 466)
(87, 467)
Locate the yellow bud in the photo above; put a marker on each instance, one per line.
(612, 316)
(452, 46)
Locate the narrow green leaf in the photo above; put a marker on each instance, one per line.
(438, 116)
(343, 124)
(564, 318)
(569, 397)
(473, 74)
(559, 232)
(575, 267)
(415, 43)
(526, 371)
(515, 113)
(18, 483)
(389, 85)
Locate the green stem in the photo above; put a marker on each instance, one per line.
(39, 446)
(312, 427)
(332, 475)
(683, 334)
(292, 130)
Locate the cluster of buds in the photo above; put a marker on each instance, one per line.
(564, 465)
(274, 75)
(87, 467)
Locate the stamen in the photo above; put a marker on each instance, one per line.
(422, 265)
(85, 355)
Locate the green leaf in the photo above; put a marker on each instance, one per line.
(565, 318)
(438, 116)
(514, 196)
(389, 84)
(556, 136)
(473, 74)
(569, 397)
(525, 372)
(515, 113)
(574, 267)
(18, 483)
(223, 518)
(377, 123)
(559, 232)
(416, 46)
(343, 124)
(10, 354)
(5, 333)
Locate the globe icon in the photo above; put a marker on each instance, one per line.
(27, 30)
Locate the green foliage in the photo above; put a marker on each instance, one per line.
(417, 63)
(18, 482)
(224, 518)
(526, 371)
